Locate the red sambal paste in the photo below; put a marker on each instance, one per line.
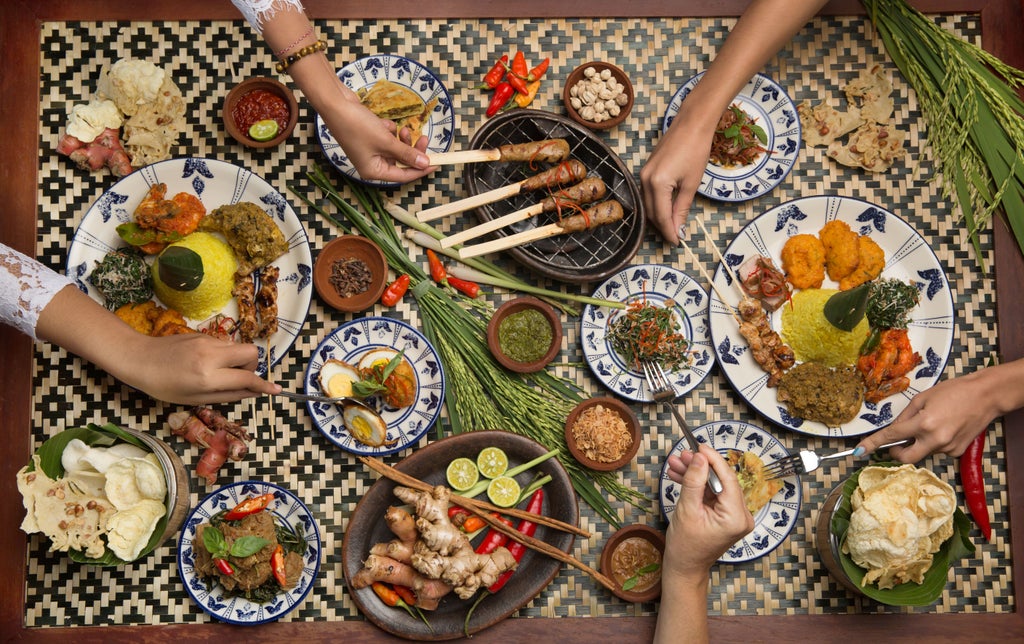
(259, 105)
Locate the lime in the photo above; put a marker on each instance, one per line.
(462, 474)
(263, 130)
(492, 462)
(503, 491)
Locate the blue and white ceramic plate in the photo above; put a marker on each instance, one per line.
(439, 128)
(907, 257)
(348, 343)
(771, 108)
(287, 509)
(774, 521)
(216, 183)
(658, 284)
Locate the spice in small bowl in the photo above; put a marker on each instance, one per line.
(350, 273)
(632, 558)
(598, 95)
(260, 112)
(524, 334)
(602, 433)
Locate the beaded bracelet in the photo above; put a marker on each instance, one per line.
(291, 59)
(284, 51)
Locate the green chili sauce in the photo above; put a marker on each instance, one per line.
(525, 336)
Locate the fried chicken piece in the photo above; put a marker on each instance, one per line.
(766, 346)
(872, 261)
(803, 259)
(169, 322)
(266, 302)
(139, 316)
(841, 251)
(245, 294)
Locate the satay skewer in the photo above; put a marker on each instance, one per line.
(586, 191)
(569, 171)
(605, 212)
(546, 151)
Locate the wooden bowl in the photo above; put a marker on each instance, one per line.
(344, 247)
(624, 411)
(577, 75)
(250, 85)
(515, 306)
(636, 530)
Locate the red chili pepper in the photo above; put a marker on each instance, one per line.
(539, 70)
(457, 515)
(517, 549)
(251, 505)
(225, 567)
(387, 595)
(493, 77)
(467, 288)
(277, 566)
(519, 72)
(437, 270)
(973, 480)
(494, 539)
(406, 593)
(472, 524)
(395, 291)
(502, 93)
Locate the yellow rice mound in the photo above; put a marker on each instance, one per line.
(219, 266)
(812, 337)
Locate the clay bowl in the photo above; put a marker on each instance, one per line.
(577, 75)
(625, 413)
(245, 87)
(518, 305)
(636, 530)
(344, 247)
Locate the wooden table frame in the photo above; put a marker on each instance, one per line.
(20, 20)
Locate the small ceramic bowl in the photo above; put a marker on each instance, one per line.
(624, 412)
(656, 538)
(345, 247)
(579, 74)
(250, 85)
(516, 306)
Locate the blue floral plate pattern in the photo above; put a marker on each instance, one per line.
(348, 343)
(439, 128)
(771, 108)
(774, 521)
(287, 509)
(216, 183)
(656, 283)
(907, 257)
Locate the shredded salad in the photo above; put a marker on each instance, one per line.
(645, 332)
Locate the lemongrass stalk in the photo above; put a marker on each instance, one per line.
(481, 487)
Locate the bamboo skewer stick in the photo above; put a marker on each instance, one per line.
(708, 278)
(492, 225)
(469, 203)
(402, 478)
(458, 157)
(483, 510)
(511, 241)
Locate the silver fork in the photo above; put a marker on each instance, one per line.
(807, 461)
(663, 391)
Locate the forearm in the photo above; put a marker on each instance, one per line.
(683, 617)
(1002, 386)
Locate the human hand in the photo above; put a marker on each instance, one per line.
(943, 419)
(703, 525)
(370, 142)
(672, 174)
(196, 369)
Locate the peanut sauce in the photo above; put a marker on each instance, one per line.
(630, 556)
(259, 105)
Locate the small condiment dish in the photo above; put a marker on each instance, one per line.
(344, 247)
(519, 305)
(579, 74)
(616, 406)
(247, 86)
(655, 538)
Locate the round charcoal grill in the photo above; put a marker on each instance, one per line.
(578, 257)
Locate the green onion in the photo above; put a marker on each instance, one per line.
(481, 394)
(975, 117)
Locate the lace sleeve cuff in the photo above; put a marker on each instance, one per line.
(26, 287)
(256, 12)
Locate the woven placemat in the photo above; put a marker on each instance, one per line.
(205, 58)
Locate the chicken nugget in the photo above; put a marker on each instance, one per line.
(139, 316)
(841, 250)
(872, 261)
(803, 259)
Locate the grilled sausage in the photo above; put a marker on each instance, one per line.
(585, 191)
(546, 151)
(603, 213)
(569, 171)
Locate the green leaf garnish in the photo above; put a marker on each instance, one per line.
(631, 583)
(845, 309)
(180, 268)
(214, 542)
(247, 546)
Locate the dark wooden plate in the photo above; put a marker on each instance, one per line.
(366, 527)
